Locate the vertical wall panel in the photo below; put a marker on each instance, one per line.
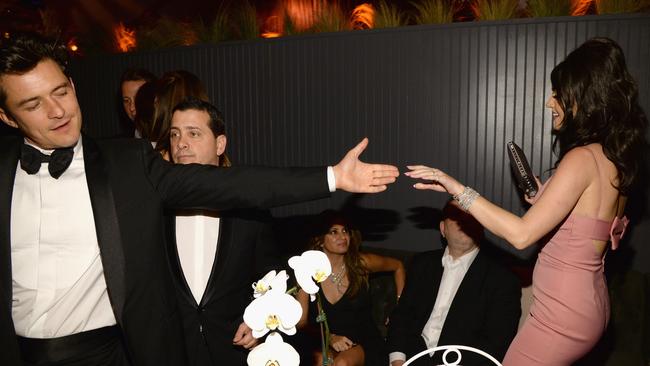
(443, 95)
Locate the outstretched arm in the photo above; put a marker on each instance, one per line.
(380, 263)
(572, 178)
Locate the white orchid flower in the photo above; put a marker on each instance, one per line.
(275, 310)
(270, 281)
(273, 352)
(311, 267)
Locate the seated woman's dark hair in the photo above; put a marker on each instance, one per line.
(600, 102)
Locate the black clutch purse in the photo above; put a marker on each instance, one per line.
(523, 173)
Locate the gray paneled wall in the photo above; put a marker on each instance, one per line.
(450, 96)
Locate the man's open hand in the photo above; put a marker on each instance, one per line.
(355, 176)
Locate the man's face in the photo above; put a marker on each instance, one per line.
(42, 103)
(461, 231)
(129, 90)
(191, 139)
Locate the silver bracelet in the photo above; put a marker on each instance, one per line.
(466, 198)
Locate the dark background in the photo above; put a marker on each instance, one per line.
(449, 96)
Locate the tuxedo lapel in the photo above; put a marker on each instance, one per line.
(220, 258)
(106, 225)
(436, 269)
(8, 163)
(175, 260)
(471, 283)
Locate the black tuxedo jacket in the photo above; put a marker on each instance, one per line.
(129, 185)
(484, 314)
(246, 250)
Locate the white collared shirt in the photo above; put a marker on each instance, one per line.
(57, 275)
(196, 240)
(452, 275)
(197, 236)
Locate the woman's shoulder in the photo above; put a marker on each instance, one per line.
(581, 159)
(586, 159)
(584, 152)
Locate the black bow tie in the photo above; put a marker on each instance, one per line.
(31, 160)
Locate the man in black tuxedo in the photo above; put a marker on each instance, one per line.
(215, 256)
(84, 278)
(455, 296)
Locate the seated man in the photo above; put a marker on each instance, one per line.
(215, 256)
(455, 296)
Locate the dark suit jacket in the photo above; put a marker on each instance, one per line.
(129, 185)
(246, 250)
(484, 313)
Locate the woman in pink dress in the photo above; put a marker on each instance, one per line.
(599, 129)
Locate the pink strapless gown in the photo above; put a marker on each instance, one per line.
(570, 308)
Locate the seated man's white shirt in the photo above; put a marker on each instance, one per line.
(452, 275)
(196, 242)
(57, 275)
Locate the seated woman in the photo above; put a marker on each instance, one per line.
(354, 339)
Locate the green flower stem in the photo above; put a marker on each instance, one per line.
(324, 330)
(292, 290)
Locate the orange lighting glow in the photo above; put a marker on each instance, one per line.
(72, 45)
(124, 37)
(271, 35)
(363, 17)
(303, 13)
(580, 7)
(273, 27)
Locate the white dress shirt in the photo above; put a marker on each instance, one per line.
(196, 239)
(58, 279)
(452, 275)
(197, 235)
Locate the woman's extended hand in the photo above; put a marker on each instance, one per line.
(440, 181)
(340, 343)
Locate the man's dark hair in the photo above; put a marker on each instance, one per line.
(215, 123)
(467, 222)
(136, 75)
(21, 52)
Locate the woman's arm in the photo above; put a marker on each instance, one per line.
(574, 175)
(379, 263)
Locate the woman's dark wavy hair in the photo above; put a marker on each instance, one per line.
(356, 269)
(594, 82)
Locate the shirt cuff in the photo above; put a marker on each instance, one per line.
(331, 179)
(396, 356)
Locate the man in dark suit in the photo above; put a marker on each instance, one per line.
(84, 278)
(215, 256)
(455, 296)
